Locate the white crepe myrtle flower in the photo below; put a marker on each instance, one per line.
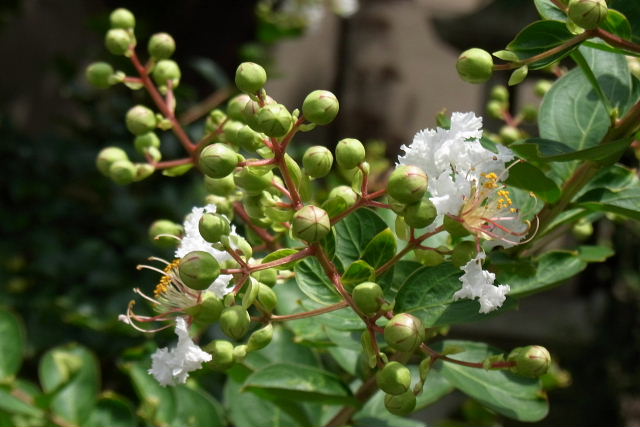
(478, 283)
(171, 366)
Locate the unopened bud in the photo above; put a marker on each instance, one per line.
(236, 105)
(214, 120)
(122, 172)
(99, 74)
(401, 404)
(269, 276)
(198, 269)
(394, 378)
(509, 134)
(475, 65)
(345, 193)
(420, 214)
(208, 311)
(496, 109)
(499, 93)
(542, 87)
(218, 160)
(164, 226)
(274, 120)
(220, 186)
(317, 161)
(249, 139)
(367, 297)
(428, 257)
(222, 355)
(212, 227)
(161, 46)
(350, 153)
(140, 120)
(588, 14)
(250, 77)
(109, 156)
(407, 184)
(122, 18)
(404, 332)
(166, 70)
(117, 41)
(531, 361)
(260, 338)
(454, 227)
(320, 107)
(253, 180)
(267, 298)
(235, 321)
(145, 141)
(311, 224)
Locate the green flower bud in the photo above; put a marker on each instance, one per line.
(244, 246)
(122, 18)
(260, 338)
(475, 65)
(582, 230)
(317, 161)
(531, 361)
(396, 206)
(394, 378)
(253, 180)
(496, 109)
(404, 332)
(145, 170)
(311, 224)
(542, 87)
(499, 93)
(428, 258)
(117, 41)
(145, 141)
(222, 355)
(367, 296)
(269, 276)
(161, 46)
(164, 226)
(99, 73)
(320, 107)
(239, 353)
(122, 172)
(274, 120)
(509, 134)
(267, 299)
(236, 105)
(214, 120)
(250, 112)
(420, 214)
(165, 70)
(249, 139)
(407, 184)
(463, 252)
(220, 186)
(344, 192)
(212, 227)
(349, 153)
(402, 404)
(198, 269)
(235, 321)
(140, 120)
(231, 130)
(250, 77)
(218, 160)
(588, 14)
(209, 309)
(109, 156)
(454, 227)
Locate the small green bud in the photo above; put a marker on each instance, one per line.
(198, 269)
(250, 77)
(463, 252)
(145, 170)
(350, 153)
(542, 87)
(117, 41)
(218, 160)
(222, 355)
(243, 246)
(165, 70)
(274, 120)
(588, 14)
(344, 192)
(428, 257)
(250, 112)
(122, 18)
(253, 180)
(396, 206)
(401, 404)
(239, 353)
(235, 321)
(220, 186)
(236, 105)
(269, 276)
(209, 309)
(320, 107)
(140, 120)
(475, 65)
(404, 332)
(145, 141)
(231, 130)
(367, 296)
(509, 134)
(317, 161)
(454, 227)
(109, 156)
(582, 230)
(529, 113)
(164, 226)
(420, 214)
(161, 46)
(531, 361)
(260, 338)
(499, 93)
(212, 227)
(99, 74)
(214, 120)
(267, 298)
(394, 378)
(496, 109)
(249, 139)
(122, 172)
(311, 224)
(407, 184)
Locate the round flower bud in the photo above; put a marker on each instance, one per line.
(117, 41)
(317, 161)
(161, 46)
(140, 120)
(214, 120)
(109, 156)
(239, 353)
(499, 93)
(349, 153)
(122, 172)
(475, 65)
(260, 338)
(531, 361)
(250, 112)
(274, 120)
(208, 311)
(220, 186)
(496, 109)
(529, 113)
(230, 131)
(320, 107)
(542, 87)
(222, 355)
(250, 77)
(582, 230)
(218, 160)
(394, 378)
(404, 332)
(267, 298)
(463, 252)
(165, 70)
(98, 74)
(311, 224)
(122, 18)
(198, 269)
(145, 141)
(236, 105)
(401, 404)
(235, 321)
(344, 192)
(249, 139)
(509, 134)
(588, 14)
(269, 276)
(428, 257)
(420, 214)
(253, 180)
(367, 296)
(212, 227)
(164, 226)
(407, 184)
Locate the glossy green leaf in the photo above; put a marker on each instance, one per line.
(344, 319)
(12, 405)
(279, 254)
(518, 75)
(595, 253)
(508, 394)
(540, 150)
(617, 24)
(196, 408)
(356, 273)
(625, 202)
(282, 347)
(630, 9)
(157, 403)
(334, 206)
(548, 10)
(528, 177)
(11, 344)
(354, 232)
(540, 37)
(314, 283)
(112, 411)
(380, 249)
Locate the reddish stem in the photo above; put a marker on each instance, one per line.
(264, 235)
(480, 365)
(172, 163)
(338, 306)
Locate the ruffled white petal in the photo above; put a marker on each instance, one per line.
(478, 283)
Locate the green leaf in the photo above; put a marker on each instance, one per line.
(617, 24)
(540, 37)
(357, 273)
(625, 202)
(196, 408)
(112, 411)
(508, 394)
(11, 344)
(595, 253)
(354, 232)
(279, 254)
(548, 10)
(158, 405)
(282, 347)
(344, 319)
(528, 177)
(506, 55)
(299, 383)
(11, 404)
(540, 150)
(518, 75)
(177, 170)
(314, 283)
(69, 374)
(392, 279)
(380, 249)
(428, 294)
(630, 9)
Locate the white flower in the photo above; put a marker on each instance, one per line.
(478, 283)
(172, 366)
